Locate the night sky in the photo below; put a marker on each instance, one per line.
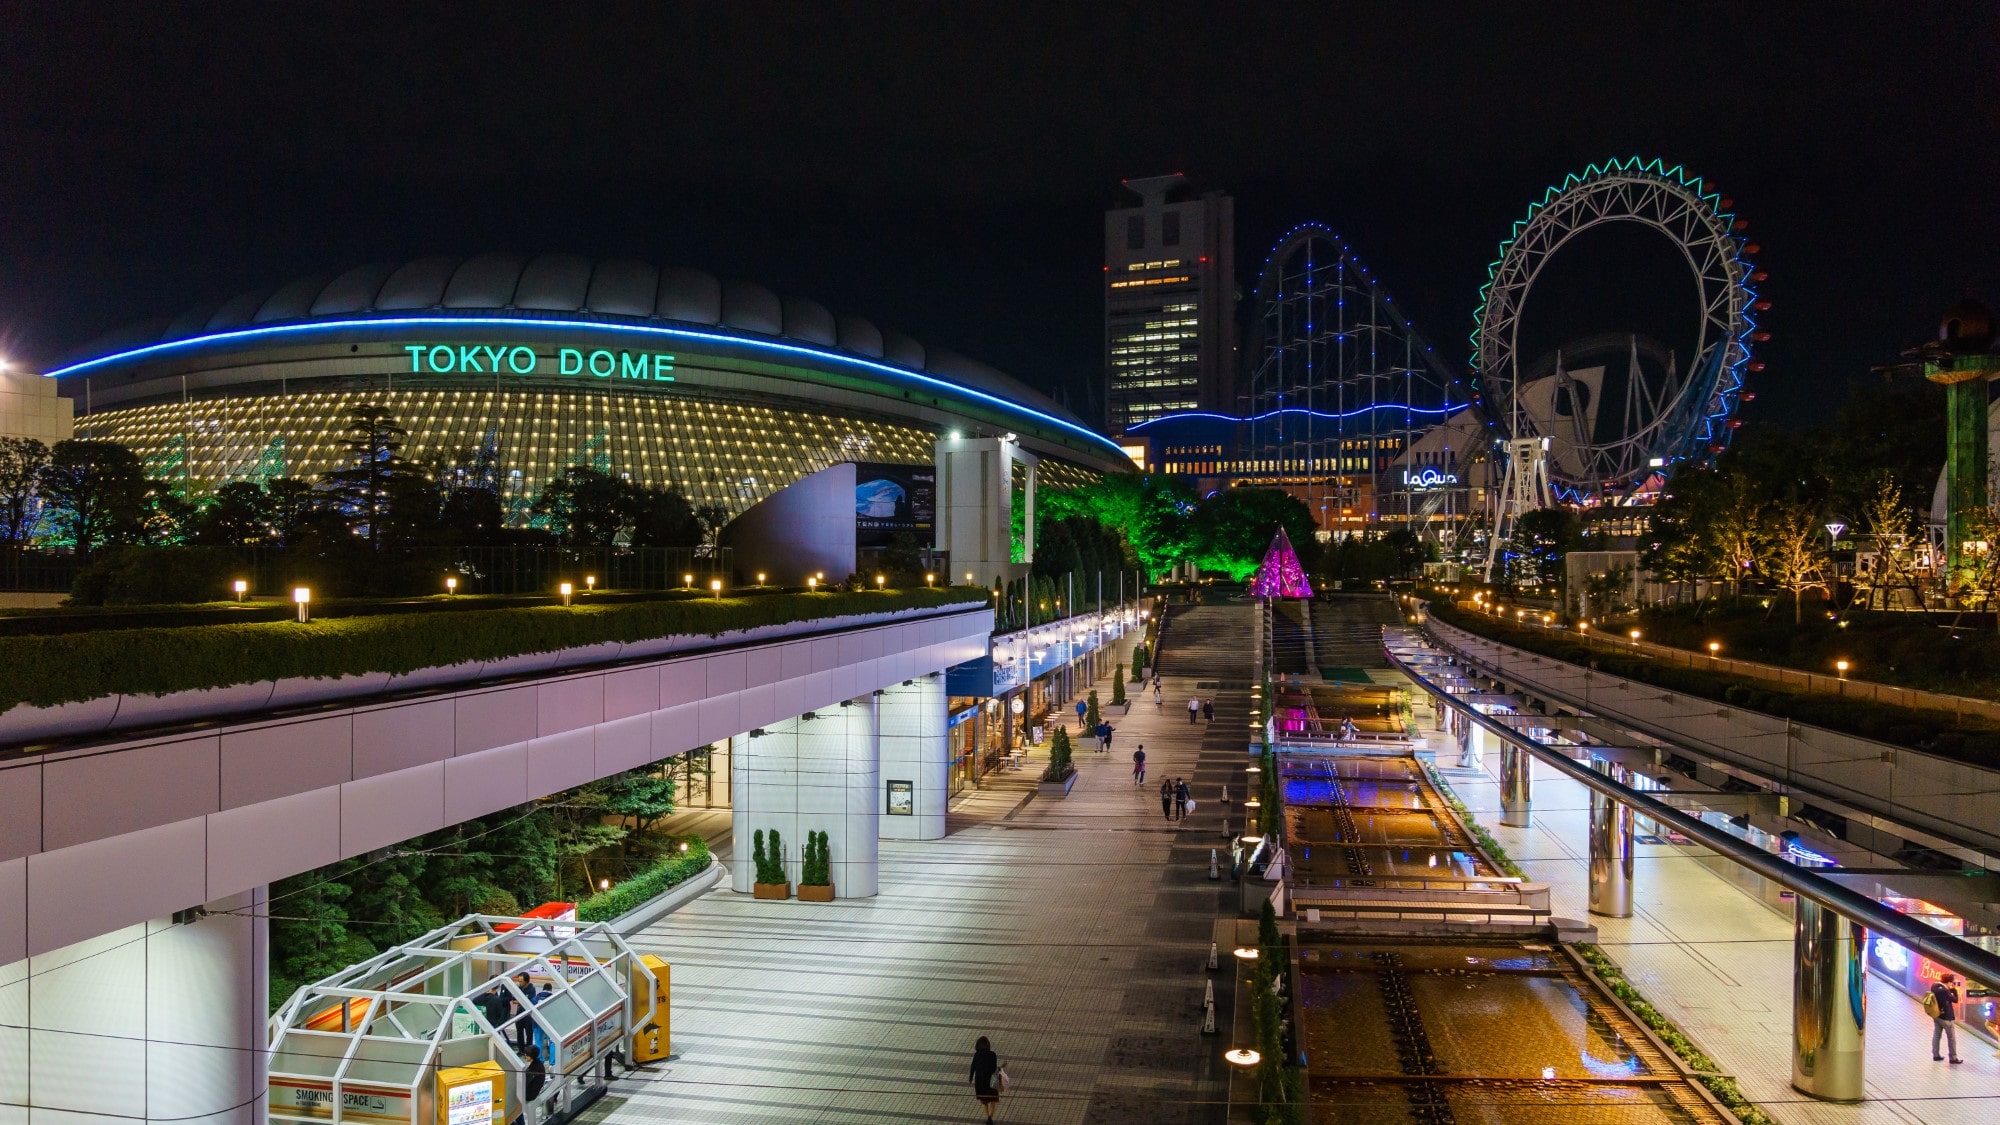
(941, 168)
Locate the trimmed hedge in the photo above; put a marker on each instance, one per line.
(656, 880)
(70, 668)
(1972, 740)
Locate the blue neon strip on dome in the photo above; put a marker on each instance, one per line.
(1294, 410)
(585, 325)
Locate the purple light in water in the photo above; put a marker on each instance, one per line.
(1281, 576)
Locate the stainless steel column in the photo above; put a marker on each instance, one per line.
(1516, 789)
(1610, 854)
(1829, 1002)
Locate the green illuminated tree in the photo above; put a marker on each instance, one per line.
(96, 493)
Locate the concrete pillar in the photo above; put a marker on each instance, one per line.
(915, 749)
(1610, 854)
(817, 774)
(1516, 780)
(1829, 1002)
(154, 1022)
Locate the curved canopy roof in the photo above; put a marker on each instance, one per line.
(615, 290)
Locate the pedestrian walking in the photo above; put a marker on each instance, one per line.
(1109, 730)
(1194, 708)
(1081, 709)
(1167, 798)
(1103, 737)
(988, 1077)
(1208, 710)
(1942, 1004)
(1159, 697)
(1139, 766)
(1180, 798)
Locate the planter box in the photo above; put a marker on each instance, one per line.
(1058, 788)
(771, 890)
(808, 893)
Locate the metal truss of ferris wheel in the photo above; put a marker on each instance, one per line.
(1669, 418)
(1343, 382)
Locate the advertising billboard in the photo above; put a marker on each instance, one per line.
(890, 500)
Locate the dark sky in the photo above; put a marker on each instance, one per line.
(941, 167)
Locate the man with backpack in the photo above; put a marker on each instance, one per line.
(1139, 765)
(1941, 1004)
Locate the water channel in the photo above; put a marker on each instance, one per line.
(1434, 1030)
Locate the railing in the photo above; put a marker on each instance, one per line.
(1954, 801)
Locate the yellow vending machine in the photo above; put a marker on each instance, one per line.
(472, 1095)
(652, 1040)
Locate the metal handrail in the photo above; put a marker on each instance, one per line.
(1952, 952)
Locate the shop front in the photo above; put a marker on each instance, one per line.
(1915, 973)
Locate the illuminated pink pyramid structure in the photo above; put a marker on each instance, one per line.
(1281, 576)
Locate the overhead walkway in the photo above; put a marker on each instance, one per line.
(1817, 1023)
(134, 867)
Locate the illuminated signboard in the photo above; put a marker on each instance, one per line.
(1428, 478)
(609, 364)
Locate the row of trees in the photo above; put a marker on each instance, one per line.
(89, 495)
(1165, 522)
(326, 919)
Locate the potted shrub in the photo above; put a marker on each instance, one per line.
(1118, 688)
(770, 864)
(1139, 663)
(1060, 777)
(1093, 716)
(816, 870)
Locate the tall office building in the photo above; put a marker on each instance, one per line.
(1169, 303)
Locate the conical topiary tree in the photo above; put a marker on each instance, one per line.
(1118, 688)
(1059, 756)
(1138, 662)
(1091, 716)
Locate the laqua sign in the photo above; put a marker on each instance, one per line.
(1428, 478)
(520, 359)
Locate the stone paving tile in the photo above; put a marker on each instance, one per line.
(1072, 931)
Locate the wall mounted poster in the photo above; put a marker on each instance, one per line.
(902, 799)
(890, 500)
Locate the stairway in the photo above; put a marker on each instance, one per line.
(1347, 630)
(1210, 641)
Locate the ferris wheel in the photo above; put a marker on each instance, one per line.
(1602, 439)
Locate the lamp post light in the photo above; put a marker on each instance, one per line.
(812, 584)
(760, 578)
(930, 579)
(879, 581)
(968, 578)
(687, 581)
(450, 586)
(566, 589)
(590, 583)
(241, 588)
(302, 597)
(1634, 634)
(715, 584)
(1840, 666)
(1714, 647)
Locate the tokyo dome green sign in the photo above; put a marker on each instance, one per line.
(520, 359)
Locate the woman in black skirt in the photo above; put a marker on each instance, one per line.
(986, 1076)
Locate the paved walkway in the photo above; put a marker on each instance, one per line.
(1071, 931)
(1719, 964)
